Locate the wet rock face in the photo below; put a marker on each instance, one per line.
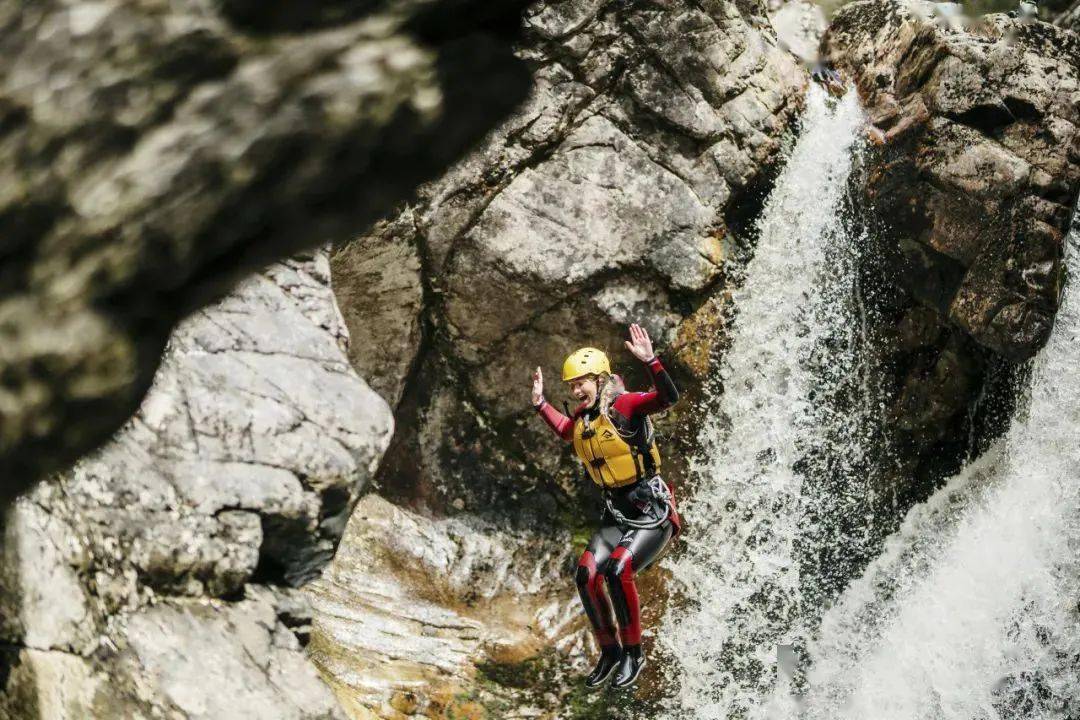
(160, 569)
(412, 607)
(969, 200)
(983, 161)
(152, 152)
(616, 194)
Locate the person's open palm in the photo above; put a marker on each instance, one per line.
(639, 344)
(538, 387)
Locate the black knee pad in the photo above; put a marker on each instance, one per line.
(615, 567)
(582, 576)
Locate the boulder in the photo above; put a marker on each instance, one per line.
(618, 193)
(982, 165)
(413, 608)
(176, 658)
(153, 153)
(968, 200)
(162, 562)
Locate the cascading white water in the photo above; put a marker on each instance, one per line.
(972, 609)
(740, 573)
(981, 621)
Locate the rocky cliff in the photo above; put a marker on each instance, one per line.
(155, 579)
(188, 567)
(623, 190)
(620, 191)
(222, 136)
(972, 192)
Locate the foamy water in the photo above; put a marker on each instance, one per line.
(971, 610)
(977, 615)
(741, 568)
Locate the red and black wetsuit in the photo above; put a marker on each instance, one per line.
(615, 553)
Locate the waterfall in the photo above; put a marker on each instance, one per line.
(740, 574)
(971, 610)
(974, 610)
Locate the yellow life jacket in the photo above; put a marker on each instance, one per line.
(609, 459)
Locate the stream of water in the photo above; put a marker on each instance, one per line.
(741, 569)
(971, 610)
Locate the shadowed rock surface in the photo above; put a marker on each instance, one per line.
(973, 192)
(618, 193)
(159, 576)
(1070, 18)
(984, 160)
(153, 152)
(138, 573)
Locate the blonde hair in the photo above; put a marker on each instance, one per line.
(613, 387)
(609, 390)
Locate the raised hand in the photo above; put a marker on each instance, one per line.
(538, 387)
(639, 345)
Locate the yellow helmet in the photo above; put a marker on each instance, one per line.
(586, 361)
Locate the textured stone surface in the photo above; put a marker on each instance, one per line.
(799, 26)
(152, 152)
(241, 467)
(617, 193)
(378, 285)
(211, 660)
(1070, 18)
(413, 606)
(969, 198)
(178, 659)
(983, 163)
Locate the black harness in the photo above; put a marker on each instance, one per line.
(639, 436)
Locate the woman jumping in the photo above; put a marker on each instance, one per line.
(613, 436)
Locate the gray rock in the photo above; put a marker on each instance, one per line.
(256, 429)
(44, 603)
(799, 26)
(411, 604)
(153, 153)
(617, 193)
(213, 660)
(54, 684)
(984, 163)
(1070, 18)
(972, 191)
(243, 464)
(378, 284)
(175, 659)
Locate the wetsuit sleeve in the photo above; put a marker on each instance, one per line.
(664, 396)
(562, 425)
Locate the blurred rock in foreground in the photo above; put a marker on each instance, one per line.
(152, 153)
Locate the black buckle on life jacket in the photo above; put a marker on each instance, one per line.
(648, 465)
(597, 462)
(588, 433)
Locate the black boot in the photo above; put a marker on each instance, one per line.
(633, 661)
(610, 655)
